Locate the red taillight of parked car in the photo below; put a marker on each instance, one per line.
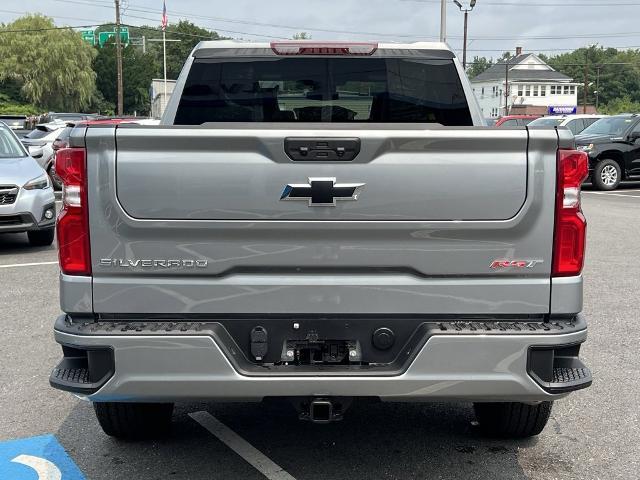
(73, 222)
(571, 226)
(59, 145)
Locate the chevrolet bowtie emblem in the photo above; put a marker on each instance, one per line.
(322, 192)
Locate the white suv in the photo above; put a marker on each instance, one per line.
(575, 123)
(27, 202)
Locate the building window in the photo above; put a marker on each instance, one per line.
(520, 90)
(543, 90)
(527, 91)
(566, 89)
(553, 89)
(573, 90)
(536, 88)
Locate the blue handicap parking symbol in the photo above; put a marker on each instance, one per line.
(36, 458)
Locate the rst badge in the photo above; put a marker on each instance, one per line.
(502, 264)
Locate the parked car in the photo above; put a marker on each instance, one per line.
(515, 120)
(68, 117)
(39, 144)
(27, 202)
(62, 141)
(274, 244)
(613, 146)
(575, 123)
(17, 123)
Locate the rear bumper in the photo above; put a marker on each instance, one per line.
(177, 363)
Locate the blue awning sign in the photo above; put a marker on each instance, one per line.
(562, 110)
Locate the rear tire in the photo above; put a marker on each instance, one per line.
(607, 175)
(41, 238)
(130, 421)
(511, 419)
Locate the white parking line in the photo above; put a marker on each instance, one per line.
(235, 442)
(28, 264)
(614, 194)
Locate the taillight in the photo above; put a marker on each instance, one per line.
(571, 227)
(58, 145)
(73, 221)
(324, 48)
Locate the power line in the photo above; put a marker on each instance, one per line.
(594, 35)
(580, 5)
(28, 30)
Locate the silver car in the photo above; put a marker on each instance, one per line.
(27, 202)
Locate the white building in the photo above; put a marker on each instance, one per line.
(534, 88)
(158, 99)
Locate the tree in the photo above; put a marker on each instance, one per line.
(52, 67)
(301, 36)
(621, 105)
(138, 70)
(479, 65)
(619, 72)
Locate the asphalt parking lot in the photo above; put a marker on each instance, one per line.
(592, 435)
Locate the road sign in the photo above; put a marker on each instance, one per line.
(37, 457)
(104, 37)
(89, 36)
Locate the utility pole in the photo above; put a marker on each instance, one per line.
(443, 20)
(506, 87)
(119, 60)
(597, 92)
(466, 11)
(586, 81)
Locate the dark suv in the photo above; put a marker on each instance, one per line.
(613, 146)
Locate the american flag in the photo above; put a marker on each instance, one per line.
(165, 20)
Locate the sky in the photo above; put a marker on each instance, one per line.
(495, 26)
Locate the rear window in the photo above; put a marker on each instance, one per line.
(334, 90)
(39, 132)
(546, 122)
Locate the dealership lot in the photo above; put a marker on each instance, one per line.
(593, 434)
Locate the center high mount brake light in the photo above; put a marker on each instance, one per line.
(324, 48)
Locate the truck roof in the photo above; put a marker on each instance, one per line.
(216, 47)
(385, 45)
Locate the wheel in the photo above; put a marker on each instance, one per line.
(55, 181)
(511, 419)
(41, 238)
(607, 175)
(134, 420)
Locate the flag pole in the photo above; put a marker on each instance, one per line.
(164, 49)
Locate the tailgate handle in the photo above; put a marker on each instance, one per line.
(322, 149)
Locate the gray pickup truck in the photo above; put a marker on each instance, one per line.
(318, 222)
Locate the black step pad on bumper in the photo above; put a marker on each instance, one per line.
(83, 371)
(558, 369)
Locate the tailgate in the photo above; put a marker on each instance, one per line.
(222, 220)
(236, 174)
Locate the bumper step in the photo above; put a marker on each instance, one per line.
(83, 371)
(559, 369)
